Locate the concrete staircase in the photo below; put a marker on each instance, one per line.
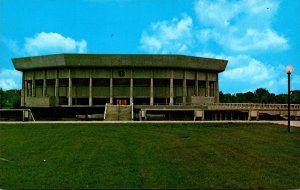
(118, 113)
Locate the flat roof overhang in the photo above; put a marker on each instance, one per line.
(118, 61)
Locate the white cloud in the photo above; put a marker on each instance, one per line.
(173, 36)
(10, 79)
(41, 43)
(45, 43)
(246, 73)
(255, 40)
(253, 72)
(242, 13)
(240, 26)
(215, 13)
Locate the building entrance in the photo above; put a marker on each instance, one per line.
(123, 101)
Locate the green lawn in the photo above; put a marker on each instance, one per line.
(149, 156)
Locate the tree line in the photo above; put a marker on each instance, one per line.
(261, 95)
(12, 98)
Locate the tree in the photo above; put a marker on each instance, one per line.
(226, 98)
(262, 95)
(281, 98)
(10, 98)
(250, 97)
(295, 97)
(1, 98)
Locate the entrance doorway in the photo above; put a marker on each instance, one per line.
(122, 101)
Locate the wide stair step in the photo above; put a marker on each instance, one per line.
(118, 113)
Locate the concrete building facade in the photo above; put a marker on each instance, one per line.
(131, 87)
(92, 80)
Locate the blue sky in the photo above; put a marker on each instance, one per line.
(258, 37)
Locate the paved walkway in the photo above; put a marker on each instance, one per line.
(293, 123)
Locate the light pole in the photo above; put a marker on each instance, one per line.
(289, 69)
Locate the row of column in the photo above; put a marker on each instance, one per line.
(56, 91)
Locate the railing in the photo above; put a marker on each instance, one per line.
(26, 113)
(105, 112)
(132, 112)
(252, 106)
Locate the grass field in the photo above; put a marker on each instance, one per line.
(138, 155)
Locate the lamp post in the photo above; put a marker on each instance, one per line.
(289, 69)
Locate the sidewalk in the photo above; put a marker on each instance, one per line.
(293, 123)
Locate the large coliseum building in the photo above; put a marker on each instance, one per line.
(94, 83)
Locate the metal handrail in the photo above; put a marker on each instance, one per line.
(253, 105)
(105, 111)
(132, 113)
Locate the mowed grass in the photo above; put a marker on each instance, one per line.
(110, 156)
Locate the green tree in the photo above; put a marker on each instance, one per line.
(262, 95)
(1, 98)
(281, 99)
(226, 98)
(10, 98)
(295, 97)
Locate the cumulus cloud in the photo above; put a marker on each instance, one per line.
(10, 79)
(41, 43)
(246, 73)
(257, 40)
(45, 43)
(234, 25)
(224, 13)
(237, 31)
(252, 71)
(173, 36)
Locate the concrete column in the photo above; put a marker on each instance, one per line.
(22, 96)
(70, 89)
(56, 92)
(171, 89)
(23, 90)
(196, 85)
(91, 90)
(23, 115)
(29, 88)
(33, 85)
(131, 90)
(207, 85)
(151, 91)
(217, 99)
(111, 99)
(249, 115)
(184, 92)
(45, 84)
